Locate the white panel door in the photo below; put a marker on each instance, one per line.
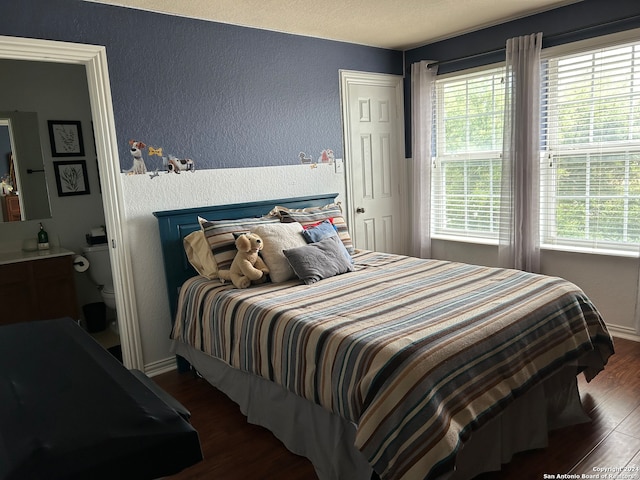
(374, 159)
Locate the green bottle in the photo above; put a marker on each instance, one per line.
(43, 239)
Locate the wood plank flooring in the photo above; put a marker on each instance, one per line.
(234, 449)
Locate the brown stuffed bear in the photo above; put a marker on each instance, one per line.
(247, 266)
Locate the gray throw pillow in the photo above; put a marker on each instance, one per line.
(322, 231)
(318, 260)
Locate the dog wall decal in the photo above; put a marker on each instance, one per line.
(138, 166)
(170, 163)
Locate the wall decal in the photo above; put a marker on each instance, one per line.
(304, 159)
(327, 156)
(170, 163)
(138, 167)
(177, 165)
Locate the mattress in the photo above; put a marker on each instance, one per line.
(417, 354)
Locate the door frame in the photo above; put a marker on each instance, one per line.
(352, 77)
(94, 58)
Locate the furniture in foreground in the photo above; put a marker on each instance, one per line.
(70, 410)
(445, 375)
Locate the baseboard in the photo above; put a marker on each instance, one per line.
(161, 366)
(623, 332)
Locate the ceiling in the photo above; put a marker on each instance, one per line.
(380, 23)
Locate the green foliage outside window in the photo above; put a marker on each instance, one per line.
(590, 150)
(598, 198)
(469, 139)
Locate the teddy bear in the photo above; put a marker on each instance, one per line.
(247, 266)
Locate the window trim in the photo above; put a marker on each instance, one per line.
(582, 46)
(470, 236)
(574, 246)
(548, 239)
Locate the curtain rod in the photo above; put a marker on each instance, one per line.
(544, 39)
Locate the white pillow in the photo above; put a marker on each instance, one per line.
(277, 237)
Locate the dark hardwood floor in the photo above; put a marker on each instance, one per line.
(234, 449)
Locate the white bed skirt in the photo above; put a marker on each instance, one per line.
(326, 439)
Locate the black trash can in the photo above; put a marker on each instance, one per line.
(95, 316)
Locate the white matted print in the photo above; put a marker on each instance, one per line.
(66, 138)
(71, 177)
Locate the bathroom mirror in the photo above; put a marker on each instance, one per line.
(22, 167)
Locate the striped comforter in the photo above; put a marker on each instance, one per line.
(417, 353)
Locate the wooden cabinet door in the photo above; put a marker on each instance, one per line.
(55, 288)
(40, 289)
(16, 295)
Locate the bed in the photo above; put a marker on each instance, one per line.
(399, 368)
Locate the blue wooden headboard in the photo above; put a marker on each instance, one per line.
(176, 224)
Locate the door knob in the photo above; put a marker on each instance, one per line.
(359, 210)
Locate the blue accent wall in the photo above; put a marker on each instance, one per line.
(222, 95)
(571, 23)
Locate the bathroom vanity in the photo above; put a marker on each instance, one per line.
(37, 285)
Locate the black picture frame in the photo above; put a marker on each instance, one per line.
(66, 138)
(71, 177)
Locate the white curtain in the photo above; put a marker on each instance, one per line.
(422, 87)
(519, 208)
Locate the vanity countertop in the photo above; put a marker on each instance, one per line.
(7, 257)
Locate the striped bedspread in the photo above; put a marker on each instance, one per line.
(417, 353)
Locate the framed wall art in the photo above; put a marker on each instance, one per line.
(71, 177)
(66, 138)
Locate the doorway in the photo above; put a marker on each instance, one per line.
(95, 62)
(373, 123)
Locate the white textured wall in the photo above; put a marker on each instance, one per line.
(145, 195)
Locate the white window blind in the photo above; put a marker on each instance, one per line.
(590, 144)
(469, 115)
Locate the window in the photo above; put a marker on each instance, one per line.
(468, 145)
(590, 172)
(590, 151)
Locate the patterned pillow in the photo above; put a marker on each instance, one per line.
(311, 215)
(219, 235)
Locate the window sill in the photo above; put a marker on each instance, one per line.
(548, 247)
(591, 251)
(474, 240)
